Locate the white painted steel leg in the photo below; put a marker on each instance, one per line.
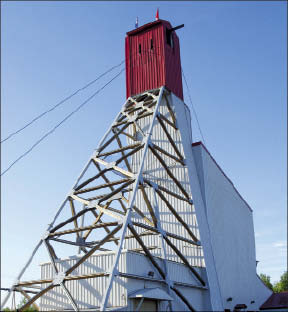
(214, 287)
(82, 224)
(131, 202)
(139, 305)
(66, 291)
(13, 305)
(163, 248)
(70, 298)
(159, 228)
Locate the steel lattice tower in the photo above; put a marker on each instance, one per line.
(138, 192)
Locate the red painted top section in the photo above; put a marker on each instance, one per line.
(153, 59)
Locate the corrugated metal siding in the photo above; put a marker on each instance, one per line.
(139, 264)
(155, 67)
(87, 292)
(154, 171)
(233, 248)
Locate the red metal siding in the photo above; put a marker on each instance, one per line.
(152, 68)
(173, 67)
(127, 64)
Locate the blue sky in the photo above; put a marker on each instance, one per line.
(234, 58)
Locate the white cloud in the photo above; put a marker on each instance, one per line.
(280, 244)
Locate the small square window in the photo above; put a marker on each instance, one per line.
(169, 37)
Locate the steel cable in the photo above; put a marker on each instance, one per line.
(60, 103)
(60, 123)
(193, 107)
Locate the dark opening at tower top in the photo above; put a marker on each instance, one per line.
(152, 54)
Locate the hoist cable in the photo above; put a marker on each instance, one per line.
(194, 111)
(60, 103)
(60, 123)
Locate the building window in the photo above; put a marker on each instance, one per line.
(145, 305)
(151, 44)
(169, 38)
(139, 48)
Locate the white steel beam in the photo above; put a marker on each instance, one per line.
(126, 221)
(163, 247)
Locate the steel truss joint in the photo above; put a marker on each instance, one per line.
(132, 118)
(45, 235)
(80, 240)
(59, 278)
(154, 185)
(93, 204)
(116, 196)
(160, 230)
(170, 283)
(14, 285)
(111, 165)
(140, 178)
(95, 154)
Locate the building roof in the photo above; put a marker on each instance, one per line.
(147, 26)
(276, 301)
(151, 293)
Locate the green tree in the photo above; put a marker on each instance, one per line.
(266, 280)
(282, 285)
(20, 304)
(29, 309)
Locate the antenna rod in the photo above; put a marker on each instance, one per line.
(177, 27)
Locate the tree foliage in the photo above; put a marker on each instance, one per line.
(282, 285)
(278, 287)
(20, 304)
(266, 280)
